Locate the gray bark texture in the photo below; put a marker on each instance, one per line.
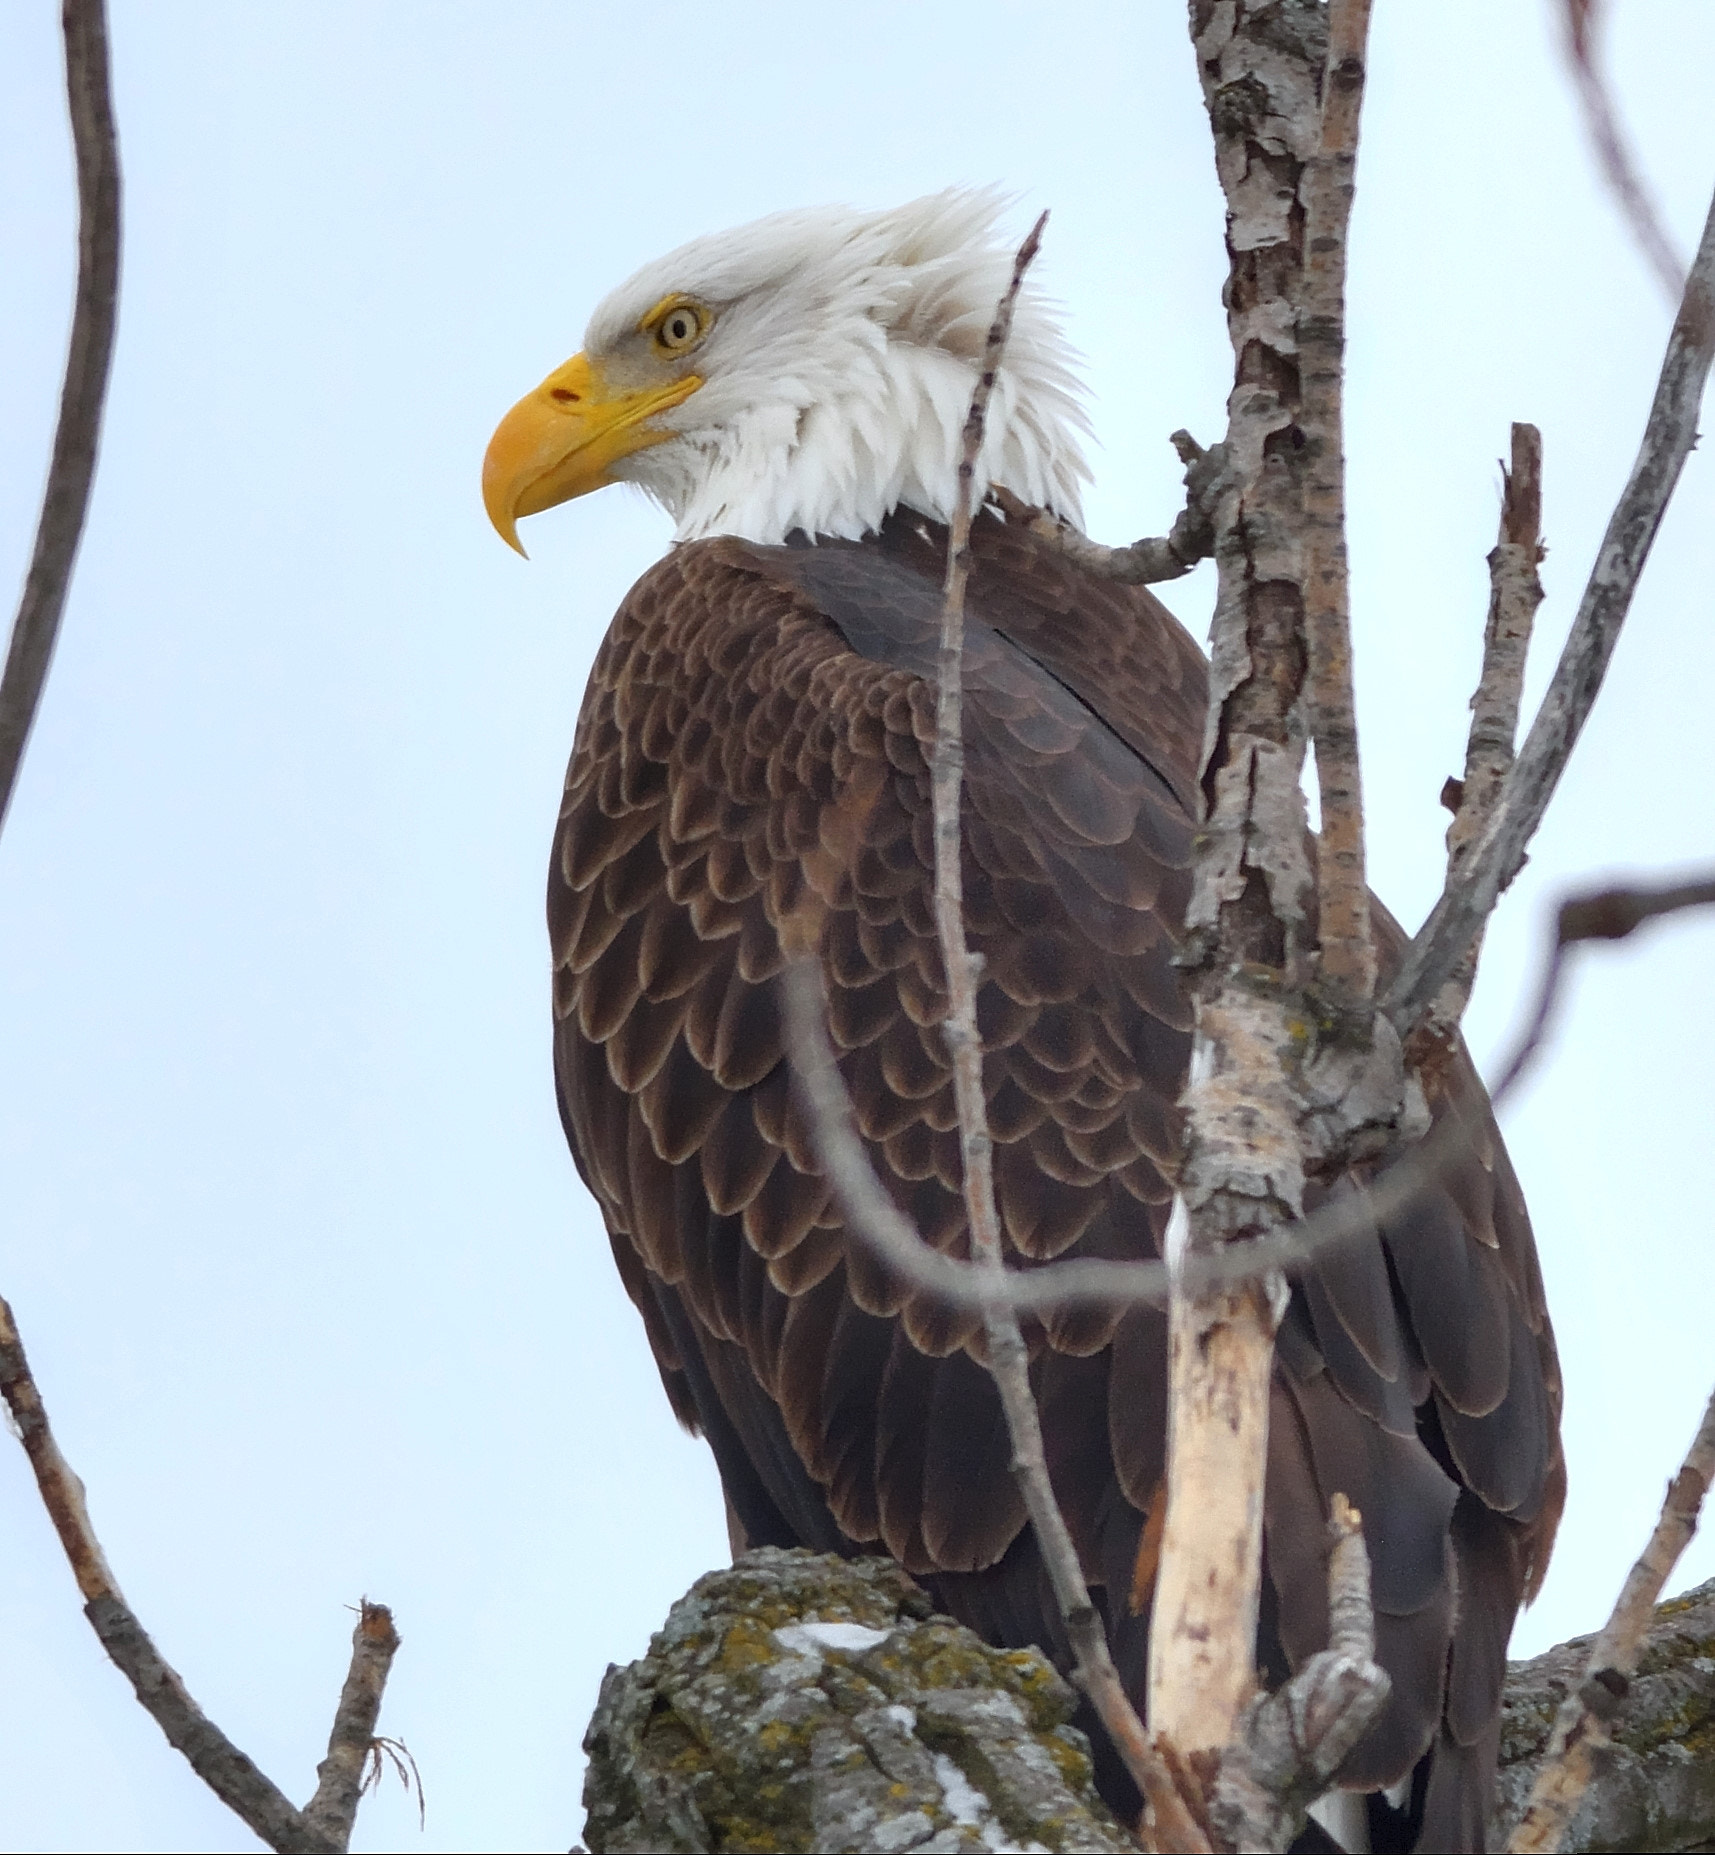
(797, 1701)
(801, 1701)
(1655, 1787)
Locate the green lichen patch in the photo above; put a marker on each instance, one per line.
(762, 1720)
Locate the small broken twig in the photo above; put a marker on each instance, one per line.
(1346, 963)
(231, 1774)
(65, 501)
(1515, 592)
(1143, 563)
(1581, 1728)
(1498, 853)
(1292, 1740)
(340, 1776)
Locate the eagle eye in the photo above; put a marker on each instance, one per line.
(678, 325)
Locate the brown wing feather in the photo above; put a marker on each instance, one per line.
(750, 762)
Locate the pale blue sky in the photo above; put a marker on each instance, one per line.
(317, 1302)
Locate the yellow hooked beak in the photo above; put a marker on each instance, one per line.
(562, 440)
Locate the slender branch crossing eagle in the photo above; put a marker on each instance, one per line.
(751, 756)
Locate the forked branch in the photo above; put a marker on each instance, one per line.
(325, 1826)
(1498, 852)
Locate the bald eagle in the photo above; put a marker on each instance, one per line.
(752, 753)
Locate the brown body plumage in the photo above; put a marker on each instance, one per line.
(751, 763)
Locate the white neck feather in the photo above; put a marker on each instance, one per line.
(840, 372)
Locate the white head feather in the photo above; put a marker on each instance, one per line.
(839, 370)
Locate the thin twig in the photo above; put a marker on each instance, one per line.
(384, 1752)
(65, 501)
(1618, 163)
(1515, 592)
(231, 1774)
(352, 1743)
(1007, 1359)
(1581, 1728)
(1605, 914)
(1143, 563)
(1498, 854)
(1347, 961)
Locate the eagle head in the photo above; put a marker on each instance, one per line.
(810, 372)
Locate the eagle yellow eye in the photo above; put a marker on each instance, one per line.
(679, 326)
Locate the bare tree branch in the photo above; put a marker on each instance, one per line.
(1515, 592)
(1618, 163)
(233, 1777)
(1346, 965)
(1606, 914)
(1143, 563)
(871, 1215)
(65, 501)
(1498, 853)
(1008, 1360)
(1247, 919)
(1583, 1724)
(352, 1743)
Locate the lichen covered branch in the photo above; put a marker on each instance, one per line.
(1583, 1725)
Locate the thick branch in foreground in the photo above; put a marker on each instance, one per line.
(1248, 912)
(1498, 853)
(1583, 1726)
(65, 501)
(324, 1829)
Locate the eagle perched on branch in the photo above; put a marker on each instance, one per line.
(752, 751)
